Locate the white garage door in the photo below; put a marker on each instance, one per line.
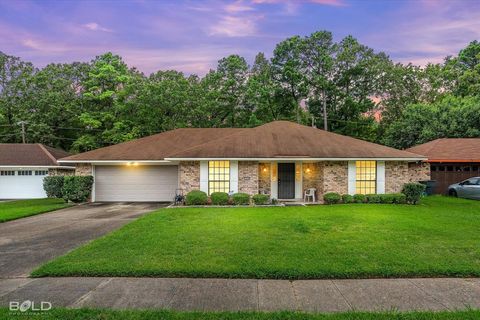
(22, 184)
(135, 183)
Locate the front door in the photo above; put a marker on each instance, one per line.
(286, 180)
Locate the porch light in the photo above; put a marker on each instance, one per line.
(264, 169)
(308, 170)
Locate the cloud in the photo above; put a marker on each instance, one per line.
(232, 26)
(238, 6)
(93, 26)
(336, 3)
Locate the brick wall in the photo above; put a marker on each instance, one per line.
(313, 177)
(248, 177)
(264, 184)
(83, 169)
(335, 177)
(397, 173)
(189, 172)
(418, 171)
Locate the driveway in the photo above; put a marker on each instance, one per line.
(29, 242)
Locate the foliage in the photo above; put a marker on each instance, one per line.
(373, 198)
(241, 199)
(53, 186)
(260, 199)
(219, 198)
(77, 188)
(332, 198)
(288, 243)
(84, 106)
(413, 192)
(347, 198)
(359, 198)
(196, 197)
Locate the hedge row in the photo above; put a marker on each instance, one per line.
(411, 193)
(197, 197)
(391, 198)
(70, 188)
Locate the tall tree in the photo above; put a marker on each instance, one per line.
(288, 73)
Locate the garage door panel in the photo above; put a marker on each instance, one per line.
(22, 187)
(142, 183)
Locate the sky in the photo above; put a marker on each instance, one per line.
(191, 36)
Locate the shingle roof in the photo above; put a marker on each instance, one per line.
(29, 154)
(450, 149)
(272, 140)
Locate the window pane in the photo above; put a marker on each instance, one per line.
(219, 176)
(366, 177)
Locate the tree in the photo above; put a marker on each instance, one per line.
(288, 73)
(15, 77)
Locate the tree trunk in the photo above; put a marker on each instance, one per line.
(325, 126)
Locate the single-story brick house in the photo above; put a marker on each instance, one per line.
(451, 160)
(23, 167)
(280, 158)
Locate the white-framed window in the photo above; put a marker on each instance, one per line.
(218, 176)
(41, 172)
(366, 177)
(7, 173)
(24, 172)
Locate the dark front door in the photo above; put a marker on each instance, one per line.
(286, 180)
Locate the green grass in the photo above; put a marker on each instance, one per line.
(11, 210)
(99, 314)
(439, 237)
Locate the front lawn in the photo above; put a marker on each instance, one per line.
(11, 210)
(99, 314)
(439, 237)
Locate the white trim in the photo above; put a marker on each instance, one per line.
(234, 176)
(352, 177)
(204, 176)
(46, 167)
(93, 186)
(298, 183)
(114, 161)
(292, 159)
(274, 180)
(380, 177)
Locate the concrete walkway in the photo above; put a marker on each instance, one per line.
(238, 294)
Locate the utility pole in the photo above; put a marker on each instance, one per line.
(325, 126)
(22, 123)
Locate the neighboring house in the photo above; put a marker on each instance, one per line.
(23, 167)
(280, 158)
(452, 160)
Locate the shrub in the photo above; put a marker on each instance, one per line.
(219, 198)
(359, 198)
(413, 192)
(77, 188)
(332, 198)
(196, 197)
(388, 198)
(346, 198)
(261, 198)
(53, 186)
(399, 198)
(241, 199)
(374, 198)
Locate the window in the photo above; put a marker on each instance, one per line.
(366, 179)
(218, 176)
(7, 173)
(41, 172)
(25, 172)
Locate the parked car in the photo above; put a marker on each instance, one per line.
(469, 189)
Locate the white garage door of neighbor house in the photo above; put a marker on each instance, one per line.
(22, 184)
(135, 183)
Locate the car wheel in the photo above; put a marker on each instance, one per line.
(452, 193)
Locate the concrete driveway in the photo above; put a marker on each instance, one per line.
(29, 242)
